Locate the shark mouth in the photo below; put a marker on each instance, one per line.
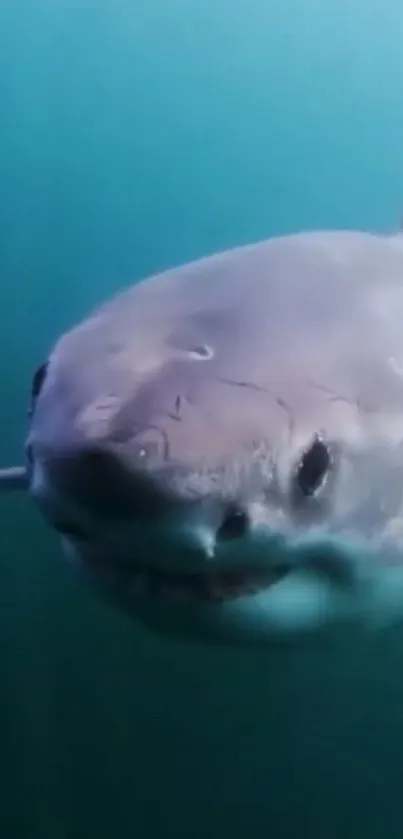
(208, 586)
(211, 586)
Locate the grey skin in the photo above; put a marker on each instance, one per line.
(242, 414)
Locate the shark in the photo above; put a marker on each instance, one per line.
(220, 445)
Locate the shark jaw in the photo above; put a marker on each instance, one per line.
(306, 596)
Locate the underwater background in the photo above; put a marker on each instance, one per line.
(134, 136)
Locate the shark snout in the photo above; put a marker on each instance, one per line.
(135, 537)
(96, 482)
(89, 490)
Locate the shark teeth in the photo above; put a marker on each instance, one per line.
(203, 586)
(139, 580)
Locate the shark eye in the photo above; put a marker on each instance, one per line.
(313, 468)
(37, 383)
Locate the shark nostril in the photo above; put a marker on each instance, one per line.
(234, 525)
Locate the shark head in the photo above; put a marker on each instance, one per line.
(219, 446)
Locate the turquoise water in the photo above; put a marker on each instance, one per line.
(132, 137)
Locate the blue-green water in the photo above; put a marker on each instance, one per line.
(132, 137)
